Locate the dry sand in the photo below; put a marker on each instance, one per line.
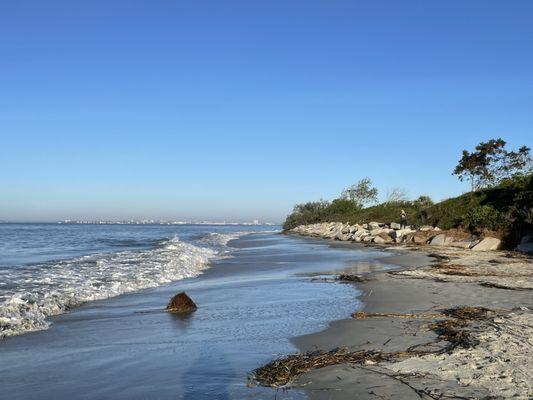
(500, 366)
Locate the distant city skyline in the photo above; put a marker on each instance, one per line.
(237, 110)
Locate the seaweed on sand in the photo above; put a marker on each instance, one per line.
(364, 315)
(440, 257)
(453, 331)
(469, 313)
(351, 278)
(285, 370)
(452, 328)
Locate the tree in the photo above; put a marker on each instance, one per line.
(514, 163)
(423, 201)
(306, 213)
(362, 193)
(396, 195)
(491, 162)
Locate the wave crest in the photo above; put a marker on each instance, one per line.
(31, 294)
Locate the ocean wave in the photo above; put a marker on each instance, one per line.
(30, 294)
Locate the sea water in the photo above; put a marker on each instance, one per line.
(47, 269)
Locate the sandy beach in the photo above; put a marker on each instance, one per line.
(399, 313)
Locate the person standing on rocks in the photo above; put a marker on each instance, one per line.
(403, 219)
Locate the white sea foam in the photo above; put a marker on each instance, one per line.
(28, 295)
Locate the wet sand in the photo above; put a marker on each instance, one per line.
(249, 307)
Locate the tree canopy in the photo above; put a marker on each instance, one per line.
(362, 193)
(491, 163)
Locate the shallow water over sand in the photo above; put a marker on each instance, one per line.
(249, 307)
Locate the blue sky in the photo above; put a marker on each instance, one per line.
(239, 109)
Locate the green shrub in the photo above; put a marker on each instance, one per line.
(306, 213)
(483, 217)
(507, 208)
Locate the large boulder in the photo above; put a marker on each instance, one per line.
(345, 228)
(526, 244)
(181, 303)
(375, 232)
(488, 243)
(360, 233)
(343, 236)
(395, 225)
(441, 240)
(400, 235)
(367, 238)
(383, 238)
(466, 243)
(422, 237)
(373, 225)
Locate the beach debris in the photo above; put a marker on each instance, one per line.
(351, 278)
(453, 331)
(364, 315)
(283, 371)
(181, 303)
(469, 313)
(465, 270)
(452, 326)
(499, 286)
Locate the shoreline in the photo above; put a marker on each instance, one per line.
(497, 366)
(249, 306)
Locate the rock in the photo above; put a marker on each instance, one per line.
(526, 244)
(437, 229)
(360, 233)
(367, 238)
(407, 238)
(488, 243)
(375, 232)
(181, 303)
(441, 240)
(464, 244)
(422, 237)
(426, 228)
(383, 238)
(345, 229)
(373, 225)
(399, 235)
(395, 226)
(343, 236)
(526, 239)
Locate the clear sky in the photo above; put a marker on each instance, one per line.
(239, 109)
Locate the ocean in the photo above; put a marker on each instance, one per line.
(82, 308)
(47, 269)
